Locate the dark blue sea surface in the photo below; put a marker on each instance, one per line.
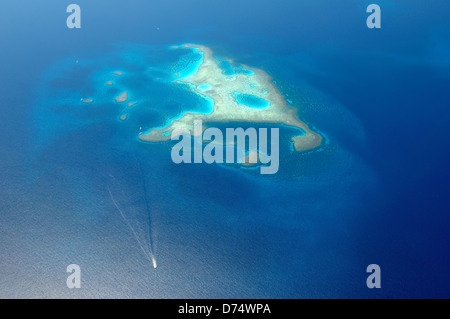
(78, 187)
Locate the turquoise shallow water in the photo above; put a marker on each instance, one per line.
(231, 70)
(251, 100)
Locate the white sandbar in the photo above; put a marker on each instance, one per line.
(122, 97)
(87, 101)
(221, 89)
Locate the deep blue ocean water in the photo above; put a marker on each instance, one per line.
(375, 192)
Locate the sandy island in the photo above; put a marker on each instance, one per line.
(210, 81)
(122, 97)
(87, 101)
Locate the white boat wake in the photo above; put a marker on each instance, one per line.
(147, 252)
